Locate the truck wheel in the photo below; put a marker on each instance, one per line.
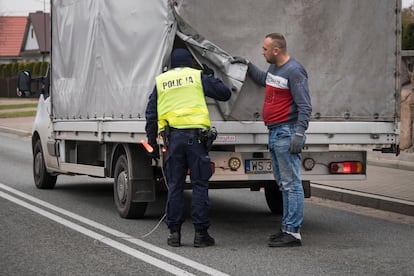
(273, 197)
(123, 192)
(42, 179)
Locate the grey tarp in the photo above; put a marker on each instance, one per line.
(105, 54)
(349, 48)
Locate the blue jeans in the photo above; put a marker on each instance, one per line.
(185, 151)
(287, 172)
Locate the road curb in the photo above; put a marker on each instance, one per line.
(394, 164)
(363, 199)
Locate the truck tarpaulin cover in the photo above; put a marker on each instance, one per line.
(106, 54)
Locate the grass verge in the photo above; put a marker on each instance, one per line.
(14, 114)
(17, 106)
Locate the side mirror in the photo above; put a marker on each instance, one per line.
(24, 82)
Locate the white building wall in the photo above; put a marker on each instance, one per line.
(31, 42)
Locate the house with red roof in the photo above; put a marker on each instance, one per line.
(36, 41)
(25, 38)
(12, 29)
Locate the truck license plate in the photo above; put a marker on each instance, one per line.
(254, 166)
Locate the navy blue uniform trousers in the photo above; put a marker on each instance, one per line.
(185, 151)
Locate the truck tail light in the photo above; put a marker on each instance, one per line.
(212, 165)
(348, 167)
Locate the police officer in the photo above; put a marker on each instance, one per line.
(178, 104)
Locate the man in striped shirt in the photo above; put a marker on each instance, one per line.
(286, 112)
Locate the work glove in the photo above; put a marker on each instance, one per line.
(155, 154)
(207, 70)
(297, 144)
(238, 60)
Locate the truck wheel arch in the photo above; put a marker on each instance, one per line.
(42, 178)
(140, 184)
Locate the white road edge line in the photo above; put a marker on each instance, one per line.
(112, 243)
(118, 234)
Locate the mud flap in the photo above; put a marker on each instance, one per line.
(306, 188)
(141, 174)
(143, 190)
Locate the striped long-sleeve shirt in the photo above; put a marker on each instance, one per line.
(287, 99)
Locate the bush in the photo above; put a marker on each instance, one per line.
(43, 68)
(36, 69)
(13, 69)
(21, 66)
(6, 72)
(30, 66)
(1, 69)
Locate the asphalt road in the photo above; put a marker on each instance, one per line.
(75, 230)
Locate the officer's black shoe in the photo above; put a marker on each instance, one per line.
(203, 239)
(174, 239)
(285, 240)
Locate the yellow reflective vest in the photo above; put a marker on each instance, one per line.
(181, 102)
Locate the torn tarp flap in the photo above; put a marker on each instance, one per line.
(206, 52)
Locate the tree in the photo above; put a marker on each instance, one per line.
(407, 32)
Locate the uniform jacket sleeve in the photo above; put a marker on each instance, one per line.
(215, 88)
(151, 115)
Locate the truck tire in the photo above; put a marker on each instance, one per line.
(42, 179)
(123, 192)
(273, 197)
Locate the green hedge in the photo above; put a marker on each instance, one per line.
(12, 69)
(407, 26)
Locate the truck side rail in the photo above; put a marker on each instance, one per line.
(232, 132)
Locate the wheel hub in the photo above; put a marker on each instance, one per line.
(121, 186)
(38, 164)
